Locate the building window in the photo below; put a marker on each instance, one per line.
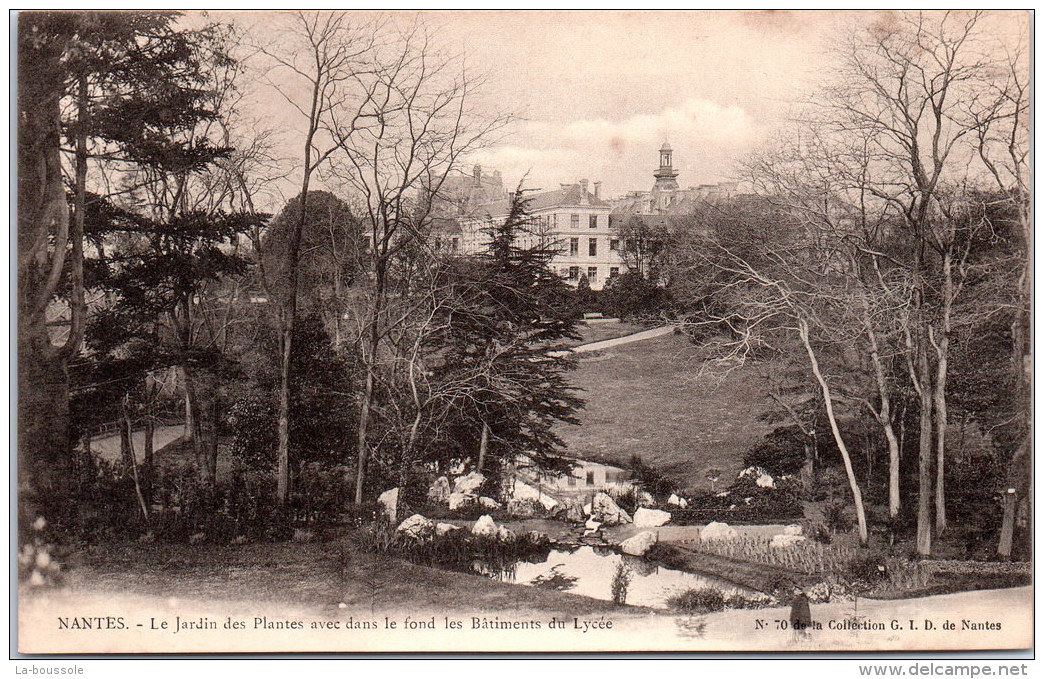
(614, 271)
(574, 247)
(614, 244)
(572, 482)
(574, 221)
(574, 273)
(592, 274)
(592, 221)
(592, 247)
(590, 478)
(454, 244)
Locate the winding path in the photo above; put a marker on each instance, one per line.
(107, 447)
(616, 341)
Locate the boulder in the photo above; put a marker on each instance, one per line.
(784, 541)
(592, 525)
(718, 531)
(638, 545)
(605, 509)
(485, 526)
(389, 502)
(460, 500)
(440, 490)
(676, 501)
(524, 491)
(538, 539)
(445, 528)
(489, 503)
(524, 509)
(572, 510)
(417, 527)
(765, 481)
(469, 483)
(645, 499)
(504, 534)
(650, 518)
(792, 529)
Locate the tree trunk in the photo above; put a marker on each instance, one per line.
(150, 433)
(942, 348)
(884, 413)
(1009, 500)
(857, 495)
(283, 445)
(925, 454)
(193, 419)
(369, 356)
(44, 448)
(126, 444)
(45, 451)
(483, 447)
(209, 431)
(362, 443)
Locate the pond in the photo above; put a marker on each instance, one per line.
(589, 571)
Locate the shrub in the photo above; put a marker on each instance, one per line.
(703, 600)
(630, 296)
(835, 516)
(621, 582)
(782, 452)
(866, 569)
(649, 479)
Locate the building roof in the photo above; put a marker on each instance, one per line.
(570, 195)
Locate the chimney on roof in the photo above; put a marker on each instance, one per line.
(583, 185)
(598, 190)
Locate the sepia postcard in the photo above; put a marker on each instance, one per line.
(506, 331)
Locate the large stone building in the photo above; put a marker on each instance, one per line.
(573, 220)
(586, 230)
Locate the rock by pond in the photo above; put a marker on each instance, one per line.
(460, 500)
(605, 509)
(440, 490)
(650, 518)
(417, 527)
(638, 545)
(485, 526)
(389, 502)
(718, 531)
(469, 483)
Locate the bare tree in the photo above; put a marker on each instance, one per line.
(415, 122)
(764, 292)
(321, 52)
(914, 93)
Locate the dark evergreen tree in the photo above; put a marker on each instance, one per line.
(513, 312)
(101, 84)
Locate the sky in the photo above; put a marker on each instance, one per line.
(595, 93)
(599, 92)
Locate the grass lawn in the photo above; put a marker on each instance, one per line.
(317, 575)
(604, 331)
(658, 399)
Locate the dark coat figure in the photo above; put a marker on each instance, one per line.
(800, 613)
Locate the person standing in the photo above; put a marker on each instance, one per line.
(800, 614)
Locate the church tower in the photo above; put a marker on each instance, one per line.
(666, 180)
